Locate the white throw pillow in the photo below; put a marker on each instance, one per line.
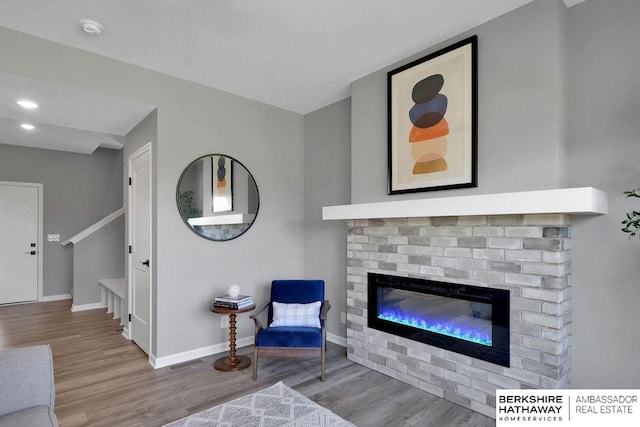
(296, 314)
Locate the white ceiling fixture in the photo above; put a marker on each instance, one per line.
(90, 26)
(27, 104)
(27, 126)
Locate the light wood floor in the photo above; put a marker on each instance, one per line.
(102, 379)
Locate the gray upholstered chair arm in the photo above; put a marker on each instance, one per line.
(28, 373)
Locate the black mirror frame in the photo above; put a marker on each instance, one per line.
(189, 226)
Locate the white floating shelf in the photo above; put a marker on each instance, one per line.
(238, 218)
(582, 201)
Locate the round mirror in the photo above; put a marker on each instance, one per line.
(217, 197)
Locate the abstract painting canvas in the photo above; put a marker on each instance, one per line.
(221, 183)
(432, 109)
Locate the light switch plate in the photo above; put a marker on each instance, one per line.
(53, 237)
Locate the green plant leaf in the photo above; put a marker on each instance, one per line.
(632, 223)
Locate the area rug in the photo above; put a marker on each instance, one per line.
(276, 406)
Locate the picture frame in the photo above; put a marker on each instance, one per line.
(432, 121)
(221, 184)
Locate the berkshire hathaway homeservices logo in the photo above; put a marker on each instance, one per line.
(617, 408)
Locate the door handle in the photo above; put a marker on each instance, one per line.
(145, 263)
(30, 253)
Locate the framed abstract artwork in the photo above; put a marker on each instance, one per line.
(432, 121)
(221, 183)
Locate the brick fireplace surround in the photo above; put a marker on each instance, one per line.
(528, 254)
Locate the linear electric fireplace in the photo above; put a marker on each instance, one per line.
(470, 320)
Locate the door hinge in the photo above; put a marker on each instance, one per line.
(129, 317)
(129, 248)
(129, 180)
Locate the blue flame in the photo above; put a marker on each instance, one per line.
(461, 332)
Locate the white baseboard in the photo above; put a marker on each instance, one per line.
(336, 339)
(173, 359)
(55, 297)
(83, 307)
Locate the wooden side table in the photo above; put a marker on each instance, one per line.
(233, 362)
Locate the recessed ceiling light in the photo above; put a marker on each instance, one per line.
(90, 26)
(25, 103)
(27, 126)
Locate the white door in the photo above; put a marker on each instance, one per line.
(19, 238)
(140, 242)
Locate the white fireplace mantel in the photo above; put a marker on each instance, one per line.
(581, 201)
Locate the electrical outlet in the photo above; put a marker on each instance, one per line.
(224, 322)
(343, 317)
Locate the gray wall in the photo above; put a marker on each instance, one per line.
(193, 120)
(98, 256)
(604, 151)
(79, 189)
(191, 270)
(519, 127)
(326, 182)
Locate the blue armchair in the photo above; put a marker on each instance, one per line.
(297, 315)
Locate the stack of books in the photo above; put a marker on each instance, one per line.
(237, 303)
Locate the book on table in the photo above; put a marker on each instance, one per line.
(237, 303)
(238, 299)
(232, 306)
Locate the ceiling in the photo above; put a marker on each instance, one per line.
(299, 55)
(66, 119)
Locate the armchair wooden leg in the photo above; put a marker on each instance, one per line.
(255, 363)
(322, 361)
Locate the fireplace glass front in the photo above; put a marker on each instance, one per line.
(470, 320)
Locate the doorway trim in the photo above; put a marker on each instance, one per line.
(40, 188)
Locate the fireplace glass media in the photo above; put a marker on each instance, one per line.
(470, 320)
